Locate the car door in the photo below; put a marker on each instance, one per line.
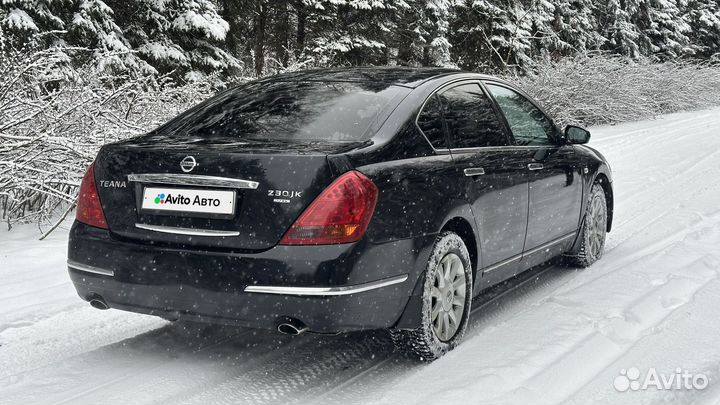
(554, 175)
(494, 175)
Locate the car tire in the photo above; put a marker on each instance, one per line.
(593, 231)
(445, 305)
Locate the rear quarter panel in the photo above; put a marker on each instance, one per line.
(418, 187)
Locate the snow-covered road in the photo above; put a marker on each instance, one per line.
(553, 335)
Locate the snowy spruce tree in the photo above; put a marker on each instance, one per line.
(353, 32)
(192, 38)
(575, 27)
(666, 29)
(616, 25)
(93, 27)
(124, 37)
(20, 20)
(492, 33)
(422, 34)
(182, 36)
(703, 18)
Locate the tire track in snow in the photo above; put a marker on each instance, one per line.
(612, 347)
(222, 364)
(491, 309)
(639, 255)
(650, 330)
(320, 398)
(700, 273)
(66, 334)
(637, 319)
(314, 366)
(109, 390)
(140, 350)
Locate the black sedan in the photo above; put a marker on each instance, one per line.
(337, 200)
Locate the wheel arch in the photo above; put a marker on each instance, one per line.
(465, 231)
(460, 225)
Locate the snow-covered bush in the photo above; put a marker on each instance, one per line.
(593, 89)
(53, 120)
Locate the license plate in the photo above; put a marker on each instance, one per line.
(189, 200)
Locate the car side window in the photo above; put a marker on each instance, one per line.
(431, 124)
(471, 119)
(528, 124)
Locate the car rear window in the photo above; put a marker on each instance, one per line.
(293, 111)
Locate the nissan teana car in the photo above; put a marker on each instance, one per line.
(338, 200)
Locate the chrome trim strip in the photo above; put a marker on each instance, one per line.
(502, 263)
(547, 245)
(89, 269)
(326, 291)
(474, 171)
(186, 231)
(193, 180)
(501, 148)
(529, 252)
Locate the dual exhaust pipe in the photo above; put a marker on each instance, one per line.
(286, 325)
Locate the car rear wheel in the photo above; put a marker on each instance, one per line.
(593, 231)
(447, 295)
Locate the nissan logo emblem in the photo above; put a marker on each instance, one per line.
(188, 164)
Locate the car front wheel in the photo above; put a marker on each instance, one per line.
(593, 231)
(447, 295)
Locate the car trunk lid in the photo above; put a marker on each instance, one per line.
(269, 185)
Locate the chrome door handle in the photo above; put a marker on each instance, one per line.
(535, 166)
(474, 171)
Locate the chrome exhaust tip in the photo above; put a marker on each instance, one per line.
(291, 326)
(99, 303)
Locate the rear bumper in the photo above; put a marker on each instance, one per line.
(329, 288)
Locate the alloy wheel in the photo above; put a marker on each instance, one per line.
(448, 297)
(597, 226)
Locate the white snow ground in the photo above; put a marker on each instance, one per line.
(554, 335)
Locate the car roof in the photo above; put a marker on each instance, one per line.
(395, 75)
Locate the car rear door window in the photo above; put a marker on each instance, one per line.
(528, 124)
(430, 122)
(471, 119)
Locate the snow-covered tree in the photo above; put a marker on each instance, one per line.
(667, 30)
(93, 26)
(703, 18)
(353, 32)
(128, 37)
(194, 37)
(22, 19)
(616, 25)
(492, 33)
(420, 36)
(185, 36)
(575, 27)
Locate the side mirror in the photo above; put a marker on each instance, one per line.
(577, 135)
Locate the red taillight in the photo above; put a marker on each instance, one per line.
(340, 214)
(89, 210)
